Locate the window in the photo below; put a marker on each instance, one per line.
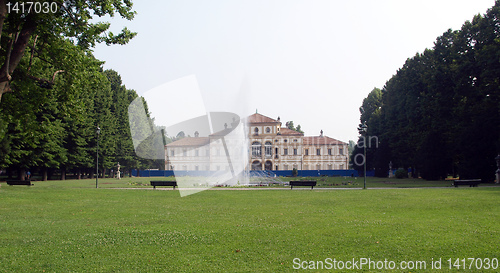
(285, 151)
(341, 151)
(286, 140)
(285, 167)
(307, 151)
(329, 151)
(268, 149)
(256, 149)
(295, 151)
(318, 151)
(196, 168)
(318, 167)
(172, 153)
(196, 152)
(256, 130)
(184, 152)
(295, 140)
(268, 130)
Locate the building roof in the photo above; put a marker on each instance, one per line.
(288, 132)
(321, 140)
(190, 141)
(258, 118)
(222, 132)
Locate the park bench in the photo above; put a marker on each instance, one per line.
(306, 183)
(470, 182)
(163, 183)
(19, 182)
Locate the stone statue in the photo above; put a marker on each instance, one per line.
(118, 171)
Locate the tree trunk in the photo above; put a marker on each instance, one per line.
(44, 174)
(21, 175)
(63, 174)
(79, 174)
(16, 50)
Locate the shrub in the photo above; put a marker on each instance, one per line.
(401, 173)
(295, 172)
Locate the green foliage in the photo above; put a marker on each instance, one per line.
(46, 35)
(295, 172)
(401, 173)
(291, 126)
(437, 113)
(60, 93)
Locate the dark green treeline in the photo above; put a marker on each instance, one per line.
(440, 113)
(51, 130)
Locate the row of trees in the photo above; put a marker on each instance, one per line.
(55, 93)
(440, 113)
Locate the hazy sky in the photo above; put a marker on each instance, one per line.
(310, 61)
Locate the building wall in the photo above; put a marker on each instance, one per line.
(285, 152)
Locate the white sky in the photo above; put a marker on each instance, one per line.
(310, 61)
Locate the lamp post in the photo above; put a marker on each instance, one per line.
(97, 159)
(498, 168)
(364, 128)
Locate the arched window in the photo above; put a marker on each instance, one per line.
(256, 149)
(269, 149)
(256, 130)
(256, 166)
(268, 166)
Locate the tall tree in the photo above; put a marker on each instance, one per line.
(438, 111)
(21, 30)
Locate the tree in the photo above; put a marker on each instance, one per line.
(290, 126)
(437, 113)
(41, 32)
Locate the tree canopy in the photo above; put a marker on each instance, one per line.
(40, 33)
(440, 113)
(56, 93)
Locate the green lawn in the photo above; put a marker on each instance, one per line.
(63, 226)
(323, 182)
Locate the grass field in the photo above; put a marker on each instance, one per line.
(69, 226)
(323, 182)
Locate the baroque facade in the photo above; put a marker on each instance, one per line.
(271, 147)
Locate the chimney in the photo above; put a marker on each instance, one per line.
(196, 134)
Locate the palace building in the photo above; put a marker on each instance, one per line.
(270, 147)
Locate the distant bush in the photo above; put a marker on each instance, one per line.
(401, 173)
(295, 172)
